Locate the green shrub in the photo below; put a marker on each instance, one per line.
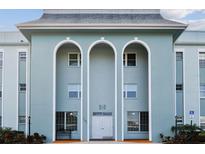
(9, 136)
(186, 134)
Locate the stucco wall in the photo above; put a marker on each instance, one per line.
(162, 76)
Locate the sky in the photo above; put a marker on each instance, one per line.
(9, 18)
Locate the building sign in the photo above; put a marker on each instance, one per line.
(191, 114)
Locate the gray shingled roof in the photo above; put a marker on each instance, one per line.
(116, 19)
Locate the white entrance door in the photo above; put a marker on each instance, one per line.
(102, 127)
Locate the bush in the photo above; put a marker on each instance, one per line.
(186, 134)
(9, 136)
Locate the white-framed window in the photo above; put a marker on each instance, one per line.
(129, 59)
(74, 91)
(1, 60)
(137, 121)
(202, 59)
(22, 56)
(202, 90)
(22, 119)
(74, 59)
(22, 87)
(130, 91)
(202, 122)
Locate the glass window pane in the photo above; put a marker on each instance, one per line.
(73, 56)
(60, 121)
(144, 121)
(131, 94)
(71, 121)
(202, 87)
(73, 63)
(132, 121)
(73, 94)
(22, 87)
(131, 59)
(202, 56)
(22, 56)
(22, 119)
(179, 56)
(179, 87)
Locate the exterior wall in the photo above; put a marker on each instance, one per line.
(191, 82)
(42, 59)
(1, 84)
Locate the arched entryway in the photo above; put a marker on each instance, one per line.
(102, 100)
(136, 88)
(67, 92)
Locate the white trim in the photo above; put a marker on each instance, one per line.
(198, 54)
(149, 84)
(27, 90)
(54, 83)
(2, 88)
(183, 63)
(88, 84)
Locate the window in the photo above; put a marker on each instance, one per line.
(22, 87)
(1, 60)
(66, 121)
(202, 60)
(137, 121)
(132, 121)
(0, 94)
(179, 87)
(60, 121)
(22, 56)
(179, 56)
(74, 91)
(202, 90)
(144, 121)
(22, 119)
(202, 122)
(129, 59)
(71, 121)
(130, 91)
(74, 59)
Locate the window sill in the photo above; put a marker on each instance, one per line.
(74, 98)
(130, 66)
(74, 66)
(130, 98)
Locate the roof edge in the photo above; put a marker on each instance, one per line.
(101, 11)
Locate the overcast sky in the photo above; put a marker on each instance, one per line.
(8, 18)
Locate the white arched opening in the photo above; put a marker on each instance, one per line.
(63, 42)
(102, 41)
(136, 41)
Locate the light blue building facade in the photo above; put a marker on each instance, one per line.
(101, 74)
